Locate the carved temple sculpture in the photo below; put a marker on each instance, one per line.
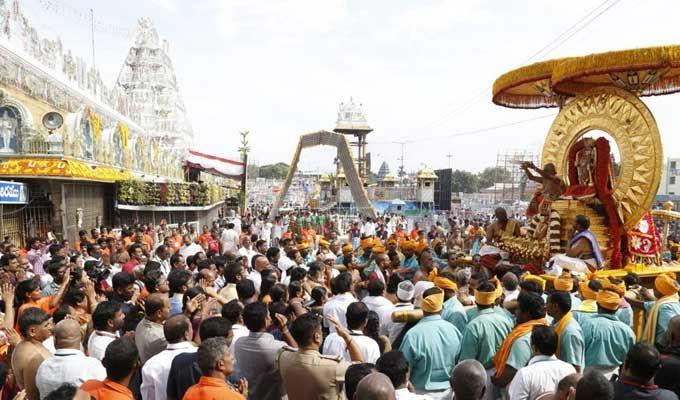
(599, 92)
(345, 156)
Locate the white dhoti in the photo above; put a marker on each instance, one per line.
(560, 262)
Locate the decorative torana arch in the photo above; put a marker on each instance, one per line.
(339, 141)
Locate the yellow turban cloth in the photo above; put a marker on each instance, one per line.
(379, 249)
(433, 303)
(377, 242)
(608, 299)
(421, 246)
(347, 248)
(485, 298)
(366, 243)
(619, 288)
(534, 278)
(666, 284)
(324, 243)
(499, 287)
(441, 282)
(408, 245)
(564, 283)
(586, 292)
(436, 242)
(392, 240)
(303, 246)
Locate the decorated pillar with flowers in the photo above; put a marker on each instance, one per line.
(244, 149)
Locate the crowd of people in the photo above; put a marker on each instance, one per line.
(299, 309)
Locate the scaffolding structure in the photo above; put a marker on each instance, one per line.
(511, 182)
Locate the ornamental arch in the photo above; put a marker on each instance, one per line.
(338, 141)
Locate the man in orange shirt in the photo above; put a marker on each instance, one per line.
(205, 236)
(414, 232)
(121, 360)
(216, 363)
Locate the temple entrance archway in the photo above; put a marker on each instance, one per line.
(338, 141)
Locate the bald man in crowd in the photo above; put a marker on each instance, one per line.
(68, 364)
(375, 386)
(468, 380)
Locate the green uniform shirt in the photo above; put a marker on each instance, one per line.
(431, 348)
(607, 340)
(484, 335)
(520, 352)
(666, 312)
(572, 348)
(454, 312)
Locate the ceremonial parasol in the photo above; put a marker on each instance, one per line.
(644, 72)
(527, 87)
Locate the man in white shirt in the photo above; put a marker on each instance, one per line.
(246, 249)
(107, 320)
(162, 256)
(336, 306)
(377, 302)
(405, 292)
(259, 264)
(68, 364)
(229, 239)
(357, 318)
(190, 247)
(178, 333)
(544, 370)
(395, 366)
(510, 286)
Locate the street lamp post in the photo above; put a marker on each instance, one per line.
(244, 149)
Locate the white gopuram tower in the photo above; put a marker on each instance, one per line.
(148, 80)
(352, 121)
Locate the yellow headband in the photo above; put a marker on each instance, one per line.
(666, 284)
(441, 282)
(563, 284)
(408, 245)
(367, 243)
(421, 246)
(303, 246)
(347, 248)
(377, 242)
(608, 299)
(499, 287)
(485, 298)
(534, 278)
(620, 288)
(586, 292)
(379, 249)
(433, 303)
(323, 243)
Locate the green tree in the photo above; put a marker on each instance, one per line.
(491, 175)
(463, 181)
(274, 171)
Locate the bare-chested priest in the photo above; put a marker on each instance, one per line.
(553, 184)
(35, 326)
(502, 226)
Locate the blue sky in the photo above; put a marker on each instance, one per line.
(423, 69)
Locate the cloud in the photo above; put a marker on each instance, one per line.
(170, 6)
(281, 17)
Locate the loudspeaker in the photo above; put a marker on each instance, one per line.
(52, 120)
(442, 189)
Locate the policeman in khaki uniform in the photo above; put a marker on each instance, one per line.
(309, 375)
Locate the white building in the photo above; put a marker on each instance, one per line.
(670, 178)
